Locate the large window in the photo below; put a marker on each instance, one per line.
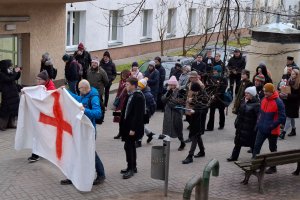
(9, 48)
(171, 31)
(115, 27)
(209, 19)
(75, 27)
(192, 21)
(236, 19)
(247, 17)
(147, 18)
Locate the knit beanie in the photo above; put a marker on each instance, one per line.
(46, 56)
(152, 63)
(260, 77)
(173, 81)
(251, 90)
(95, 60)
(142, 83)
(80, 46)
(218, 68)
(134, 64)
(106, 53)
(43, 75)
(269, 87)
(66, 57)
(247, 72)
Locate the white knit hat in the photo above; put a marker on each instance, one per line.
(251, 90)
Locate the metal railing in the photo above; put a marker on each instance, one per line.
(201, 183)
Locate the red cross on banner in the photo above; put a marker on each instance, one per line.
(58, 122)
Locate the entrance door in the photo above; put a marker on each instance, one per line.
(10, 49)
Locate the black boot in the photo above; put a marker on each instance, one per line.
(189, 159)
(187, 140)
(293, 132)
(99, 180)
(282, 135)
(181, 147)
(271, 170)
(231, 159)
(128, 174)
(150, 137)
(138, 144)
(117, 136)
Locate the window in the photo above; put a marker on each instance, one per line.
(75, 27)
(247, 17)
(209, 19)
(235, 19)
(223, 15)
(115, 27)
(261, 16)
(147, 17)
(192, 21)
(171, 31)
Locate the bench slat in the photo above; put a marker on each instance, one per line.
(278, 153)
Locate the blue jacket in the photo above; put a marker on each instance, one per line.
(153, 82)
(92, 111)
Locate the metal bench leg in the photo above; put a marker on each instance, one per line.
(247, 177)
(297, 172)
(260, 178)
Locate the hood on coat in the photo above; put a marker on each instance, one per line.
(275, 95)
(93, 92)
(4, 65)
(48, 62)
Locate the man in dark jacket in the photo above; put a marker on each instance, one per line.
(46, 64)
(176, 71)
(259, 82)
(272, 114)
(132, 124)
(209, 61)
(153, 79)
(71, 72)
(110, 68)
(162, 77)
(84, 58)
(200, 67)
(9, 94)
(235, 65)
(218, 86)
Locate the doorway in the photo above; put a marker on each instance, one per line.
(10, 48)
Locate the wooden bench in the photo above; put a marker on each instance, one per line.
(258, 165)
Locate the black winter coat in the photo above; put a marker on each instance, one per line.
(201, 67)
(85, 60)
(218, 87)
(10, 95)
(48, 66)
(162, 77)
(237, 63)
(153, 82)
(71, 70)
(135, 117)
(110, 69)
(292, 103)
(245, 123)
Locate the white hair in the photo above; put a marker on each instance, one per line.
(187, 68)
(85, 83)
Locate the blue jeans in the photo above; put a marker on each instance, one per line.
(99, 166)
(72, 86)
(260, 139)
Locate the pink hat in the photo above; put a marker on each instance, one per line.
(173, 81)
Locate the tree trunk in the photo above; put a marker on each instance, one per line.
(162, 47)
(183, 46)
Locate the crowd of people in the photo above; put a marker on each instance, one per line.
(263, 111)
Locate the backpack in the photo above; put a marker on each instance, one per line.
(227, 98)
(98, 121)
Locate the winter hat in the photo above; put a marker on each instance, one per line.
(43, 75)
(251, 90)
(237, 50)
(260, 77)
(80, 46)
(173, 81)
(95, 60)
(135, 64)
(152, 63)
(269, 87)
(247, 72)
(106, 53)
(142, 83)
(195, 87)
(193, 74)
(46, 56)
(66, 57)
(178, 65)
(290, 58)
(218, 68)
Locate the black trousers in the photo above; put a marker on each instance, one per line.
(235, 78)
(130, 151)
(106, 94)
(211, 121)
(196, 139)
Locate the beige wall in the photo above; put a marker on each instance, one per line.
(275, 63)
(44, 32)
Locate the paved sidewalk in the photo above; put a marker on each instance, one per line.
(20, 180)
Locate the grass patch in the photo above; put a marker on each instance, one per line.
(128, 65)
(190, 53)
(244, 42)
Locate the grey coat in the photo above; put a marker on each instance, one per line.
(172, 123)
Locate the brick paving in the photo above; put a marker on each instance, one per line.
(40, 180)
